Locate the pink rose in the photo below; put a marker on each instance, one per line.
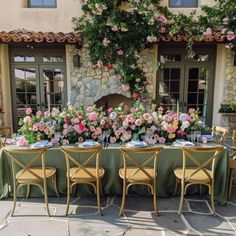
(208, 32)
(106, 42)
(80, 139)
(138, 122)
(89, 109)
(92, 128)
(230, 35)
(35, 128)
(125, 87)
(28, 111)
(146, 116)
(133, 109)
(98, 131)
(102, 122)
(80, 128)
(38, 114)
(22, 142)
(120, 52)
(112, 139)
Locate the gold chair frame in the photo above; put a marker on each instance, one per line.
(219, 134)
(94, 179)
(200, 169)
(29, 175)
(232, 162)
(7, 132)
(130, 180)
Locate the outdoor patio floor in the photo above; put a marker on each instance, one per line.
(31, 219)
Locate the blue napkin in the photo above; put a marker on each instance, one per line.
(42, 143)
(207, 136)
(137, 143)
(182, 142)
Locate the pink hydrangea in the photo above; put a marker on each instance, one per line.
(92, 116)
(230, 35)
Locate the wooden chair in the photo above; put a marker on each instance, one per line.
(139, 173)
(201, 173)
(28, 174)
(219, 134)
(81, 173)
(232, 162)
(5, 132)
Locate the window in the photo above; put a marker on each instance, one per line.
(183, 3)
(42, 3)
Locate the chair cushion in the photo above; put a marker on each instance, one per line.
(200, 176)
(84, 176)
(50, 171)
(140, 176)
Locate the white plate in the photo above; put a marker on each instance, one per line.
(142, 145)
(47, 145)
(88, 144)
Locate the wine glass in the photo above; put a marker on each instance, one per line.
(198, 135)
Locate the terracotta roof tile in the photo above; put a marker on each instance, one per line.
(216, 37)
(39, 37)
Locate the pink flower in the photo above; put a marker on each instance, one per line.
(132, 127)
(35, 128)
(110, 110)
(160, 110)
(191, 110)
(230, 35)
(102, 122)
(92, 116)
(138, 122)
(98, 131)
(80, 139)
(162, 19)
(146, 116)
(181, 132)
(80, 128)
(53, 141)
(162, 30)
(106, 42)
(38, 114)
(120, 52)
(112, 139)
(89, 109)
(130, 118)
(135, 95)
(208, 32)
(117, 133)
(133, 109)
(65, 141)
(22, 142)
(94, 136)
(119, 77)
(99, 64)
(28, 110)
(225, 20)
(125, 87)
(138, 80)
(47, 113)
(92, 129)
(161, 140)
(170, 129)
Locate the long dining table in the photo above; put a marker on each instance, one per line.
(111, 160)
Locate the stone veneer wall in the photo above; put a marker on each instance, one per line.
(229, 121)
(89, 83)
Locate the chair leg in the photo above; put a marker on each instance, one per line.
(212, 200)
(28, 191)
(14, 197)
(123, 199)
(101, 190)
(149, 191)
(46, 195)
(54, 181)
(176, 186)
(68, 196)
(155, 199)
(181, 197)
(98, 197)
(200, 189)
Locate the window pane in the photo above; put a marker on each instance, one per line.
(52, 58)
(183, 3)
(42, 3)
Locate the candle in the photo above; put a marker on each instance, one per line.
(177, 106)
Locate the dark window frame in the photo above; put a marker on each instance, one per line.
(43, 5)
(181, 5)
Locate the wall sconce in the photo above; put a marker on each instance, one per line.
(76, 60)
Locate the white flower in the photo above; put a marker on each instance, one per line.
(113, 115)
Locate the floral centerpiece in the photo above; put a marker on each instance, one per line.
(122, 123)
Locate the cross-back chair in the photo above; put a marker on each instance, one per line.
(200, 172)
(232, 162)
(34, 172)
(219, 134)
(82, 172)
(5, 133)
(139, 173)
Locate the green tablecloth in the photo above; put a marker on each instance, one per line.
(111, 161)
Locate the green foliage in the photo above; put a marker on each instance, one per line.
(228, 108)
(116, 34)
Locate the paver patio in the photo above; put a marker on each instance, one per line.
(31, 218)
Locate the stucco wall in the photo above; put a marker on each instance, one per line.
(15, 15)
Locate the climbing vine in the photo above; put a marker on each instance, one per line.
(117, 31)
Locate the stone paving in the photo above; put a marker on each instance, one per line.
(31, 219)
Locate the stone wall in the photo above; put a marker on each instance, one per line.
(230, 79)
(90, 83)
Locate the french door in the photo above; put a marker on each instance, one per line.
(38, 81)
(187, 83)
